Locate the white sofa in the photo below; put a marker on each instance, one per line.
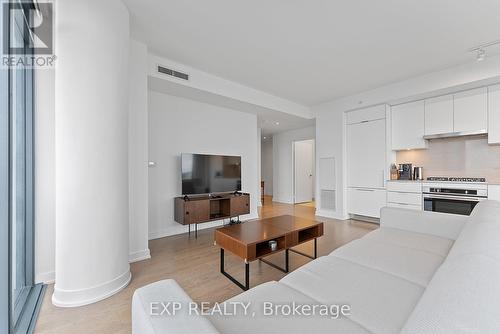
(420, 272)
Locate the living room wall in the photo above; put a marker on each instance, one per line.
(283, 161)
(178, 125)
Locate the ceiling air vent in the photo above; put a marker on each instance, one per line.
(173, 73)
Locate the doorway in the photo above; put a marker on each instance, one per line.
(304, 179)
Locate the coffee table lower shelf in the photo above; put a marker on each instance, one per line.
(246, 286)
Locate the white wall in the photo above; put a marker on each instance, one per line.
(45, 220)
(267, 165)
(283, 162)
(329, 143)
(178, 125)
(91, 132)
(466, 76)
(138, 152)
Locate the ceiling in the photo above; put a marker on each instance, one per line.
(269, 121)
(316, 50)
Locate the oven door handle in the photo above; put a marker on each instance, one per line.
(456, 198)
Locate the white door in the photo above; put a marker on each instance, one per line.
(366, 154)
(304, 170)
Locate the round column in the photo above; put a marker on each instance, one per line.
(92, 47)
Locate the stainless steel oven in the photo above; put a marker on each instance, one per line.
(453, 198)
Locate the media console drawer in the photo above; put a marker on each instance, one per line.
(202, 209)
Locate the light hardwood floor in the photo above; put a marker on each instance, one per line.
(194, 263)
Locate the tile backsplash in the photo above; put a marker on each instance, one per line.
(460, 157)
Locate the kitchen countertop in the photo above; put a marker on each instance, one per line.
(493, 183)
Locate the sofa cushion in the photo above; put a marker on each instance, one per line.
(481, 235)
(414, 265)
(464, 294)
(145, 322)
(463, 297)
(380, 302)
(277, 293)
(419, 241)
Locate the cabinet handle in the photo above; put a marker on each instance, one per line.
(370, 190)
(187, 212)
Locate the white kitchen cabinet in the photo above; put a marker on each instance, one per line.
(366, 114)
(366, 152)
(404, 206)
(408, 126)
(405, 194)
(494, 114)
(471, 110)
(366, 202)
(439, 115)
(405, 186)
(494, 192)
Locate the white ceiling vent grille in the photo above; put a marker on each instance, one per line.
(173, 73)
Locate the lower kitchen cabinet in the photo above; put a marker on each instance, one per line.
(405, 195)
(366, 202)
(494, 192)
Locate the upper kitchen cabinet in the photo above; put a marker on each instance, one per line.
(494, 114)
(408, 126)
(366, 114)
(471, 111)
(439, 115)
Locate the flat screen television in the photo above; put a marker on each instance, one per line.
(209, 174)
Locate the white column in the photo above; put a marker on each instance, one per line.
(92, 48)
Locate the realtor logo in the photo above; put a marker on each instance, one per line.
(28, 34)
(30, 23)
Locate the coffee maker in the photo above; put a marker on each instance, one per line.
(418, 173)
(405, 171)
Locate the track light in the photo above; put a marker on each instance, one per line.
(481, 54)
(480, 50)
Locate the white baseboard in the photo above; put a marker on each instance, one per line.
(50, 276)
(282, 200)
(80, 297)
(46, 278)
(331, 214)
(176, 228)
(139, 256)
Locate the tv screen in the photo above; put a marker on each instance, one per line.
(208, 174)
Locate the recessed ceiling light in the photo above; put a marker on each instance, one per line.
(481, 54)
(277, 123)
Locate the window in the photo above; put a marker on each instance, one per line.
(22, 296)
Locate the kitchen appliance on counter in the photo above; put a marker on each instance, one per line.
(418, 173)
(405, 171)
(457, 195)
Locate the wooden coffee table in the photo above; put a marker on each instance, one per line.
(250, 241)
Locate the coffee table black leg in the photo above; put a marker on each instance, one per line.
(315, 248)
(285, 270)
(307, 255)
(234, 280)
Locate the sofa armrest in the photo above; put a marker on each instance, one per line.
(439, 224)
(149, 315)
